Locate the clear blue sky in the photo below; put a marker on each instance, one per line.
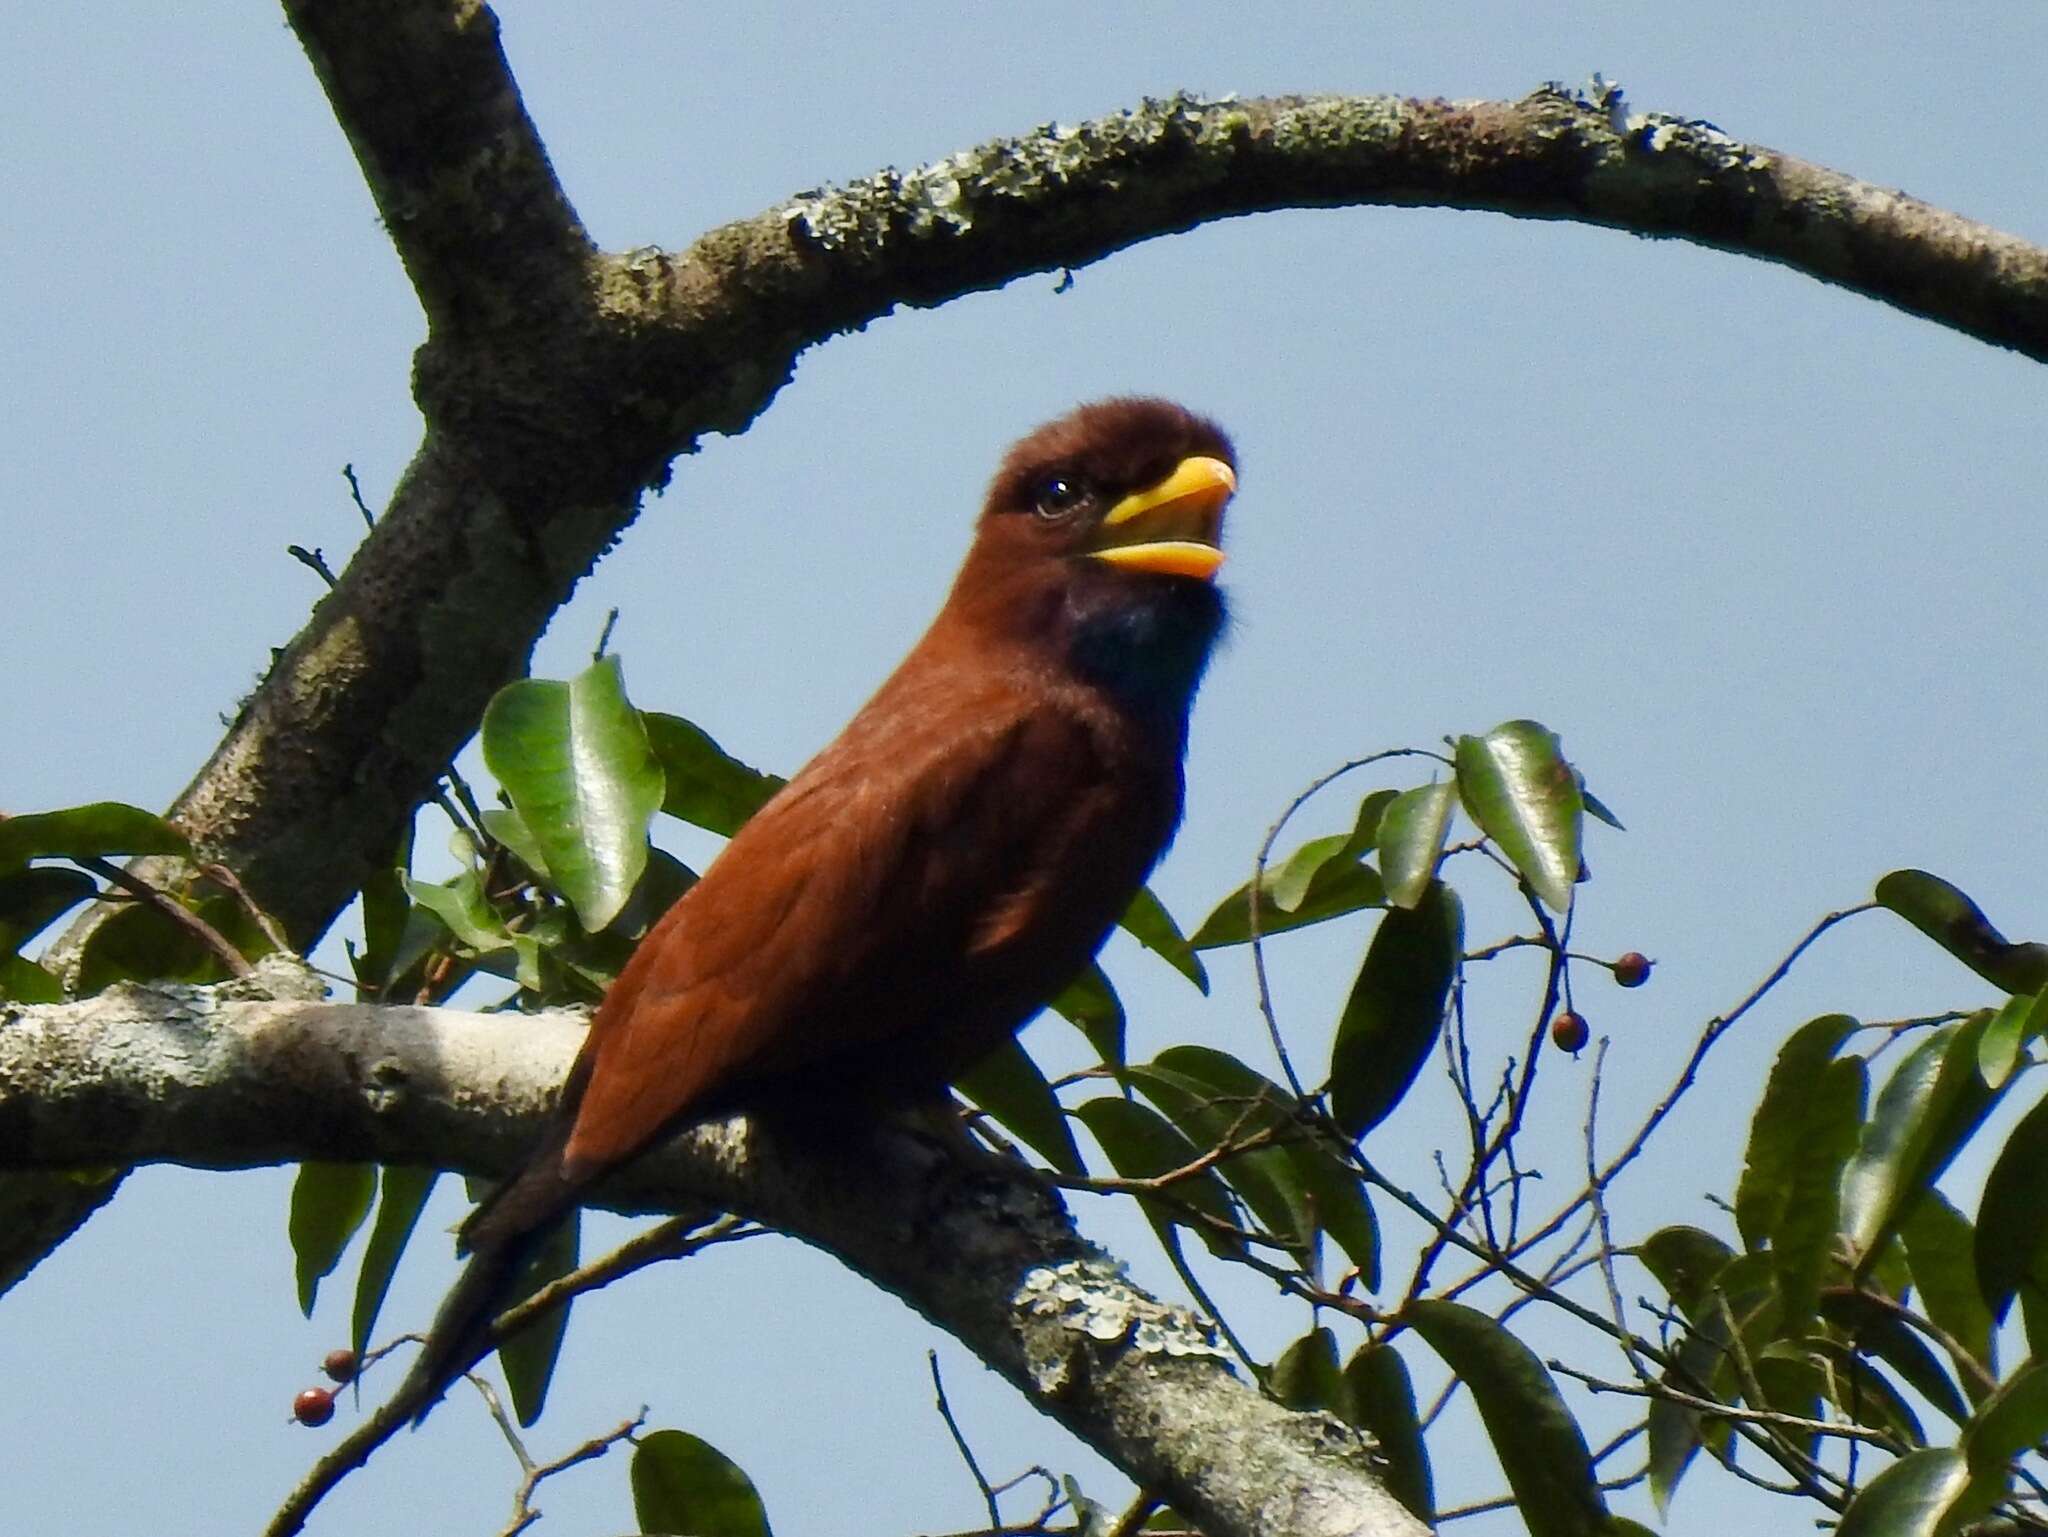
(1760, 550)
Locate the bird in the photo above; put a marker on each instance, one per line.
(955, 856)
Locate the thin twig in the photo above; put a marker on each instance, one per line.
(313, 560)
(1775, 1419)
(355, 491)
(988, 1495)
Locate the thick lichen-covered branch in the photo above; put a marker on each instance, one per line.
(258, 1071)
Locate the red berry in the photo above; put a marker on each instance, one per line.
(1568, 1032)
(315, 1406)
(340, 1365)
(1632, 969)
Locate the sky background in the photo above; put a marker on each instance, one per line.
(1756, 548)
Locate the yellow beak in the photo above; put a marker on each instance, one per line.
(1171, 526)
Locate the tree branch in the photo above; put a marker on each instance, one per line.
(221, 1078)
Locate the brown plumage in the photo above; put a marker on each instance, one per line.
(950, 861)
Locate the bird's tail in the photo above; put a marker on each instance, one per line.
(500, 1236)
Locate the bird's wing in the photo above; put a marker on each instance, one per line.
(869, 882)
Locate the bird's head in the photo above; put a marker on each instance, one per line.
(1101, 536)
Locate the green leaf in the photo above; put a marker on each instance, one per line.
(329, 1202)
(1209, 1114)
(1412, 840)
(1874, 1330)
(1676, 1432)
(403, 1194)
(2011, 1422)
(684, 1485)
(459, 904)
(510, 829)
(1858, 1389)
(1949, 918)
(1148, 922)
(1805, 1241)
(529, 1356)
(142, 944)
(1595, 807)
(1931, 1103)
(2019, 1021)
(33, 899)
(1008, 1086)
(575, 760)
(1091, 1005)
(1395, 1012)
(1938, 1243)
(1920, 1495)
(1538, 1442)
(1336, 890)
(2011, 1246)
(1290, 882)
(707, 786)
(1777, 1133)
(23, 981)
(95, 831)
(1686, 1262)
(1517, 786)
(1142, 1144)
(1305, 1376)
(1384, 1400)
(1331, 1194)
(385, 911)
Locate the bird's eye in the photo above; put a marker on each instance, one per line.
(1060, 496)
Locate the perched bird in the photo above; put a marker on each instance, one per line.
(956, 856)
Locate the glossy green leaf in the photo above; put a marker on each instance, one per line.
(1411, 840)
(2011, 1245)
(509, 828)
(529, 1356)
(1949, 918)
(1384, 1400)
(1140, 1143)
(1291, 881)
(660, 887)
(23, 981)
(402, 1194)
(1875, 1330)
(1337, 889)
(684, 1485)
(1539, 1444)
(459, 904)
(1931, 1103)
(329, 1202)
(2021, 1020)
(1805, 1243)
(100, 830)
(32, 899)
(1938, 1244)
(1920, 1495)
(575, 760)
(1395, 1012)
(1778, 1131)
(706, 786)
(1007, 1085)
(1091, 1005)
(1686, 1262)
(1148, 922)
(1516, 785)
(1331, 1195)
(1305, 1376)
